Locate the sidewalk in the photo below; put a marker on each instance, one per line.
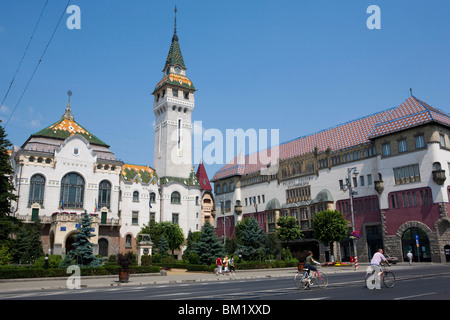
(173, 276)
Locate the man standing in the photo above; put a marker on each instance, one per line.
(219, 266)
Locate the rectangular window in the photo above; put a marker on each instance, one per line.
(402, 147)
(175, 92)
(386, 149)
(135, 217)
(369, 179)
(361, 181)
(420, 142)
(179, 134)
(175, 218)
(442, 140)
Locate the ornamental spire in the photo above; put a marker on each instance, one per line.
(68, 114)
(175, 37)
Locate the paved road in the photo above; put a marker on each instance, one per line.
(431, 281)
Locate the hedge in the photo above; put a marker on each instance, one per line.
(15, 272)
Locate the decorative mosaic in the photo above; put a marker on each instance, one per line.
(144, 174)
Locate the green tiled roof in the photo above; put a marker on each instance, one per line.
(65, 128)
(174, 57)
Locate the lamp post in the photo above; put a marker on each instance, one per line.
(355, 172)
(222, 204)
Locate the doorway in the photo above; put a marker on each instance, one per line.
(416, 240)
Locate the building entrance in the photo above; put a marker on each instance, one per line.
(416, 240)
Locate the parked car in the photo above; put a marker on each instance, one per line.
(391, 259)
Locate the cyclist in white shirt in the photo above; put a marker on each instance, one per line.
(378, 257)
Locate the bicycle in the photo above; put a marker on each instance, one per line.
(387, 277)
(304, 279)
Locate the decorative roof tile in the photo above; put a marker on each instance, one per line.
(413, 112)
(144, 174)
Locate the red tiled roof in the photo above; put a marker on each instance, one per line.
(412, 112)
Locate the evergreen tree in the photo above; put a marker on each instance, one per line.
(83, 253)
(163, 248)
(28, 243)
(8, 223)
(252, 238)
(208, 247)
(6, 187)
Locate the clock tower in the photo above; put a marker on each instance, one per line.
(173, 105)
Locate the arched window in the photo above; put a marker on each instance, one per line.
(152, 197)
(37, 188)
(128, 241)
(104, 194)
(136, 196)
(175, 198)
(72, 191)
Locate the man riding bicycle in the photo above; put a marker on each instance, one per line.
(309, 263)
(375, 264)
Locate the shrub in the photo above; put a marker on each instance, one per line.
(54, 261)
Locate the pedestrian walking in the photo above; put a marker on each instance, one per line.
(225, 265)
(219, 266)
(410, 257)
(231, 263)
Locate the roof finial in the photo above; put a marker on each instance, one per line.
(410, 91)
(68, 114)
(175, 37)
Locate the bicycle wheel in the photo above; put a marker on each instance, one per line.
(388, 279)
(321, 280)
(300, 281)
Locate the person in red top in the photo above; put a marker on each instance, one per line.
(219, 266)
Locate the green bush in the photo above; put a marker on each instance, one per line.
(54, 261)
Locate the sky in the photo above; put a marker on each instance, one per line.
(297, 66)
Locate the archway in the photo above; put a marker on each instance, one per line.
(416, 240)
(69, 242)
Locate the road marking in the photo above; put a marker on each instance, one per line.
(417, 295)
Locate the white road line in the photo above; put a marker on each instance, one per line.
(415, 296)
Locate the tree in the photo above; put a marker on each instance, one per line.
(171, 231)
(8, 223)
(6, 187)
(252, 238)
(83, 253)
(288, 229)
(208, 247)
(330, 226)
(191, 242)
(163, 247)
(28, 243)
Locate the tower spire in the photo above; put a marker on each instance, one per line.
(175, 37)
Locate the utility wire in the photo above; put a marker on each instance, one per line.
(25, 52)
(39, 62)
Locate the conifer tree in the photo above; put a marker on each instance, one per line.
(252, 239)
(8, 223)
(163, 247)
(208, 247)
(83, 253)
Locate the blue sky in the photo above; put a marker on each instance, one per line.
(296, 66)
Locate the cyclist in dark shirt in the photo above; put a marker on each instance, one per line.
(310, 262)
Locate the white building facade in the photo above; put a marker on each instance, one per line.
(64, 171)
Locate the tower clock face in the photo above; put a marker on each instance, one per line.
(177, 69)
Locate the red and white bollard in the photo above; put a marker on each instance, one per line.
(356, 263)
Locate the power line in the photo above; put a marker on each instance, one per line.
(25, 52)
(39, 62)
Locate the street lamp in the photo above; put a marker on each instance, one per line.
(355, 172)
(222, 205)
